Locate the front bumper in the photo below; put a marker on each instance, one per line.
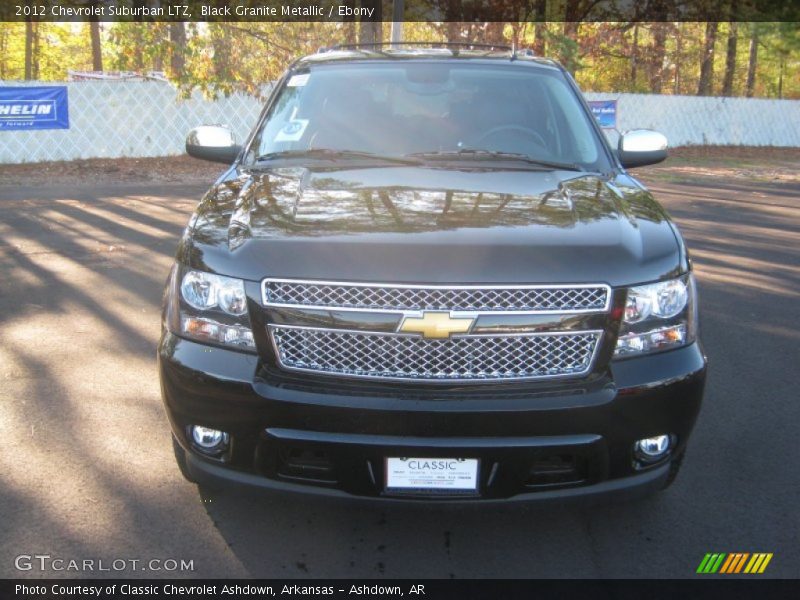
(533, 442)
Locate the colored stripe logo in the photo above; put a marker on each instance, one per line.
(735, 562)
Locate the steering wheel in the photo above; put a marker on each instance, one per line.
(537, 137)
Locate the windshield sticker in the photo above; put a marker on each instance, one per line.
(292, 131)
(298, 80)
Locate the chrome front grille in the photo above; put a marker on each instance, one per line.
(397, 297)
(410, 357)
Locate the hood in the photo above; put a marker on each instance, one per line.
(408, 224)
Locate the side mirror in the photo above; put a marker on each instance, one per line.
(212, 142)
(640, 147)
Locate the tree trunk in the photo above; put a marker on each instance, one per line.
(139, 35)
(570, 47)
(3, 52)
(35, 52)
(453, 31)
(539, 41)
(705, 86)
(540, 29)
(678, 58)
(177, 49)
(28, 50)
(452, 15)
(516, 30)
(349, 22)
(137, 56)
(494, 33)
(730, 60)
(97, 51)
(752, 65)
(657, 57)
(571, 30)
(350, 31)
(635, 56)
(368, 32)
(371, 32)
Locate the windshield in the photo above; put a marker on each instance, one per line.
(433, 110)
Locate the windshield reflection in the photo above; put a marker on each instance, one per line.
(418, 107)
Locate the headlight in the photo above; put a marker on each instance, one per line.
(658, 316)
(203, 291)
(199, 290)
(664, 300)
(211, 308)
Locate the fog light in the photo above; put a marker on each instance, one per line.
(209, 440)
(652, 449)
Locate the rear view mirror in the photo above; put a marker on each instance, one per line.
(640, 147)
(212, 142)
(429, 74)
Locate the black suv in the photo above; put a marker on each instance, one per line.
(427, 276)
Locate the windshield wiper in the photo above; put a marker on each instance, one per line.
(474, 154)
(333, 154)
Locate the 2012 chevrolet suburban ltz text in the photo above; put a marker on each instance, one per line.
(427, 276)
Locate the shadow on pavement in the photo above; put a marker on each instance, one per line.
(87, 466)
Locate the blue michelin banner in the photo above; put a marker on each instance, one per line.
(39, 107)
(605, 111)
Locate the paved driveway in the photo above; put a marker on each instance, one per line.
(86, 467)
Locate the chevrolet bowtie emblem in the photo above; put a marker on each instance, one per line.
(436, 325)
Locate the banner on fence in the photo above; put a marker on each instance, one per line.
(34, 107)
(605, 111)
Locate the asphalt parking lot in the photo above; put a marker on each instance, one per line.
(86, 466)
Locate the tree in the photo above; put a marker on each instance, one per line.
(349, 24)
(3, 52)
(659, 10)
(569, 48)
(97, 51)
(540, 30)
(225, 57)
(371, 32)
(657, 55)
(493, 33)
(634, 55)
(784, 41)
(730, 59)
(221, 44)
(678, 60)
(453, 16)
(517, 33)
(705, 86)
(31, 33)
(177, 49)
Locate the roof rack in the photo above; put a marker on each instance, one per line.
(514, 52)
(456, 45)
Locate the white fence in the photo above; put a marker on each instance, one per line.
(709, 120)
(148, 118)
(112, 119)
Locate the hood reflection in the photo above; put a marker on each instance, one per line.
(296, 201)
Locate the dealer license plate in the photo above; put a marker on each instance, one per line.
(457, 475)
